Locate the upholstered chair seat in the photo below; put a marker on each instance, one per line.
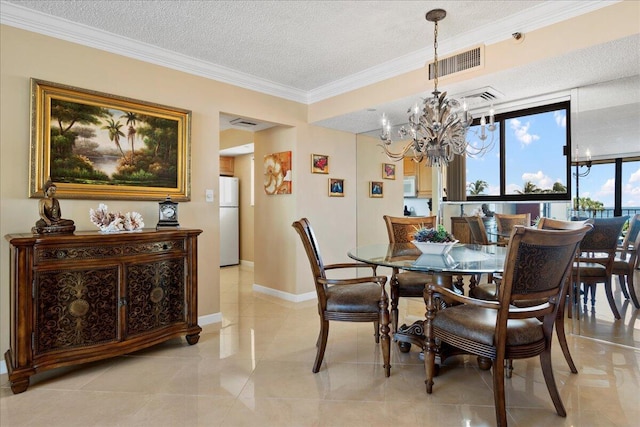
(479, 324)
(359, 298)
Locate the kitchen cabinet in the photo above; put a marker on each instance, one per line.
(423, 176)
(87, 296)
(226, 166)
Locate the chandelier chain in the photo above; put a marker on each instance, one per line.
(435, 57)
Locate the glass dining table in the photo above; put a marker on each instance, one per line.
(461, 260)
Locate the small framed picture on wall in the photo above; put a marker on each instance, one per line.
(376, 189)
(388, 171)
(336, 187)
(319, 163)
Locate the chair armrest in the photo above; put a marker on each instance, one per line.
(381, 280)
(529, 312)
(449, 295)
(514, 312)
(351, 265)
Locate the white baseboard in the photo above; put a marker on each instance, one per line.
(208, 319)
(202, 320)
(245, 263)
(284, 295)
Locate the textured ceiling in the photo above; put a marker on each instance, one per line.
(310, 50)
(301, 44)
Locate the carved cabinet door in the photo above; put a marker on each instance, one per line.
(155, 295)
(75, 308)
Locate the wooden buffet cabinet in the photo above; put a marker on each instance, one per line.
(87, 296)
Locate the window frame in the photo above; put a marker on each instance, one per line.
(567, 149)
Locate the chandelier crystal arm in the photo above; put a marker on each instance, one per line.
(438, 129)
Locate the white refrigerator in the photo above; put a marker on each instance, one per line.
(229, 221)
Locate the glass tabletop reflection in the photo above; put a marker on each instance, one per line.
(461, 259)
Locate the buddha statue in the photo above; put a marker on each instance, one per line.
(51, 220)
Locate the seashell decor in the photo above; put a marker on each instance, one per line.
(113, 222)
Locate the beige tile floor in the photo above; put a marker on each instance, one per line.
(255, 370)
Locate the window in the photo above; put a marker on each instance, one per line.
(630, 186)
(529, 160)
(612, 188)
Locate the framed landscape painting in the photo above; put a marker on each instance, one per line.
(93, 145)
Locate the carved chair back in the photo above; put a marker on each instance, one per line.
(401, 229)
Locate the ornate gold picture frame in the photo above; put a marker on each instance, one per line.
(99, 146)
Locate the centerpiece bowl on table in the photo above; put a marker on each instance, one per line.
(433, 240)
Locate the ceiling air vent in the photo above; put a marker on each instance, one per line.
(456, 63)
(479, 95)
(242, 122)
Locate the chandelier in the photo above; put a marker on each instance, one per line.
(438, 126)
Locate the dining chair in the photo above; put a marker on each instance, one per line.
(627, 258)
(479, 236)
(490, 292)
(506, 222)
(358, 299)
(536, 266)
(408, 284)
(595, 263)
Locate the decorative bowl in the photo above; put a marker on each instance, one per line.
(433, 247)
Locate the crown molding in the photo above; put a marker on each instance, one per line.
(60, 28)
(539, 16)
(544, 14)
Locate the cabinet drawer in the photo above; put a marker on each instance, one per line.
(82, 252)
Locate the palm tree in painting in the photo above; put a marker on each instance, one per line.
(477, 187)
(132, 119)
(115, 133)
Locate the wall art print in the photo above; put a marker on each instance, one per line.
(319, 163)
(376, 189)
(277, 173)
(388, 171)
(336, 187)
(99, 146)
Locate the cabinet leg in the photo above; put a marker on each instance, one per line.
(20, 386)
(192, 339)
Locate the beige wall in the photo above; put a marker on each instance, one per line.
(234, 137)
(371, 227)
(25, 54)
